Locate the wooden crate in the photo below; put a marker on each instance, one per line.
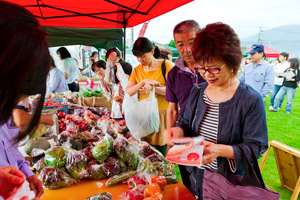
(288, 165)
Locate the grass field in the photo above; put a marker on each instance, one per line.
(284, 128)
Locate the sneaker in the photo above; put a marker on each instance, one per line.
(271, 108)
(287, 112)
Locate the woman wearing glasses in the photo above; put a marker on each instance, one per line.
(223, 110)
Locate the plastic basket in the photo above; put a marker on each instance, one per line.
(59, 105)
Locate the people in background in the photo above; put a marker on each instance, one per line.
(288, 87)
(88, 71)
(259, 74)
(24, 40)
(166, 54)
(278, 81)
(127, 69)
(112, 56)
(248, 60)
(69, 68)
(99, 68)
(144, 78)
(182, 77)
(224, 110)
(57, 82)
(94, 56)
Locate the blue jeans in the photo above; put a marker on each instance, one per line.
(280, 95)
(276, 89)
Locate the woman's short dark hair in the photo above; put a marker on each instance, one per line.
(218, 41)
(23, 39)
(64, 53)
(93, 54)
(294, 62)
(285, 54)
(99, 64)
(109, 51)
(127, 68)
(143, 45)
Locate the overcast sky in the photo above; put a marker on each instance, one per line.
(245, 17)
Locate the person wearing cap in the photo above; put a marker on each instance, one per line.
(278, 81)
(259, 74)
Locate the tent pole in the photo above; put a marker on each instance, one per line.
(124, 46)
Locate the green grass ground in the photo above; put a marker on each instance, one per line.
(284, 128)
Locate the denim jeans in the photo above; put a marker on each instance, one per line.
(276, 89)
(280, 95)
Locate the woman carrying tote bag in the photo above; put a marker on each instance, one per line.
(144, 78)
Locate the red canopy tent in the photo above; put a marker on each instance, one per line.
(270, 53)
(97, 13)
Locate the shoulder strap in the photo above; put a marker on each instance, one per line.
(163, 69)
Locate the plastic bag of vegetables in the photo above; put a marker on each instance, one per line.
(126, 151)
(113, 166)
(95, 171)
(101, 196)
(103, 149)
(39, 165)
(56, 157)
(53, 178)
(76, 164)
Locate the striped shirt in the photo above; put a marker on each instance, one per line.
(208, 128)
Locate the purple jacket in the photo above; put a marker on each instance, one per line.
(179, 84)
(9, 153)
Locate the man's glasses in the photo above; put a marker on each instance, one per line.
(202, 70)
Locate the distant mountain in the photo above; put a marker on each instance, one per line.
(282, 39)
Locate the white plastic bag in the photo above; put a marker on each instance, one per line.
(142, 117)
(122, 78)
(115, 108)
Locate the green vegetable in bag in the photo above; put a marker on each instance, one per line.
(103, 149)
(97, 93)
(127, 152)
(56, 157)
(76, 164)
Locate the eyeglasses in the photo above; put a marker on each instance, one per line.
(202, 70)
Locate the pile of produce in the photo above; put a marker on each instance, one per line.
(113, 157)
(92, 146)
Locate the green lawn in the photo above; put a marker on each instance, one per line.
(283, 128)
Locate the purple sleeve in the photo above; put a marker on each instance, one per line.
(170, 93)
(23, 164)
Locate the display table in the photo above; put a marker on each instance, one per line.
(85, 189)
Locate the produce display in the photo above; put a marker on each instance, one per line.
(92, 146)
